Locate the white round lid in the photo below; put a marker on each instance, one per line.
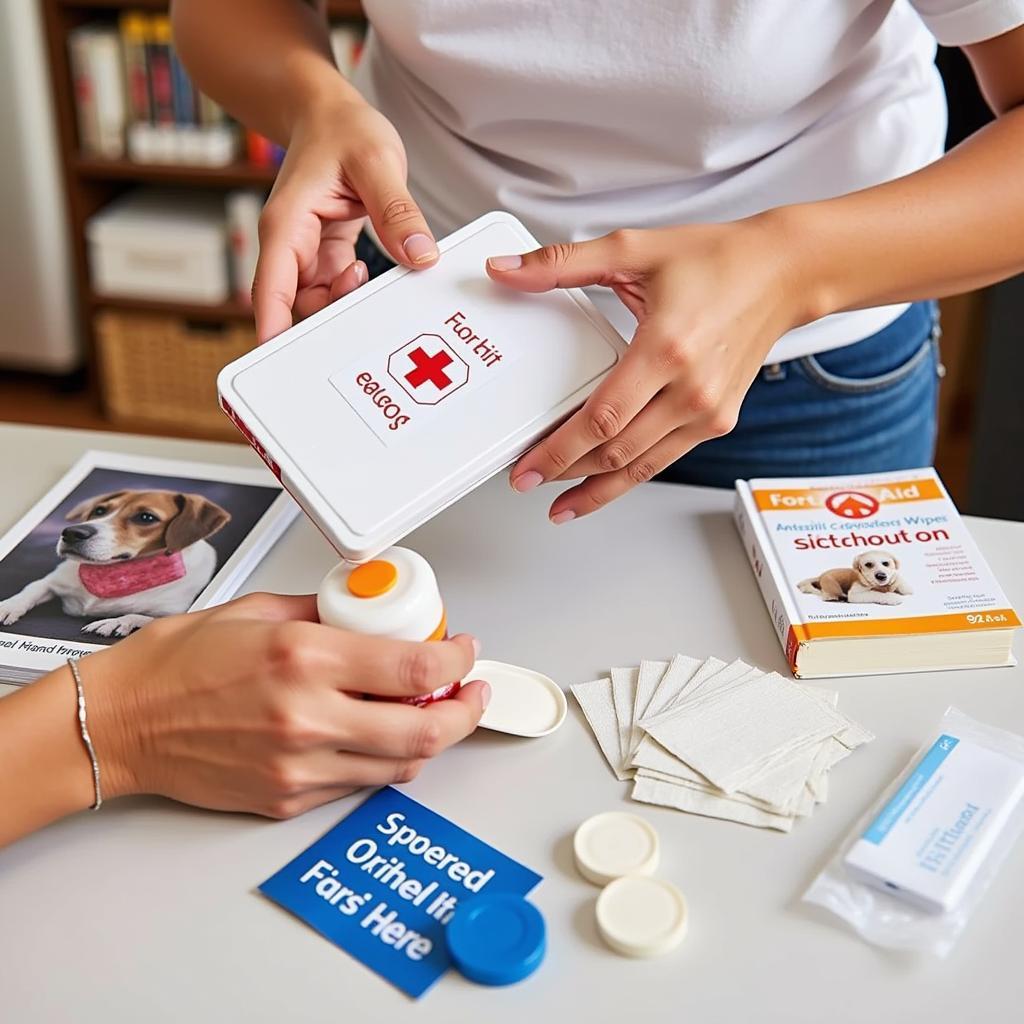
(610, 845)
(641, 916)
(523, 702)
(395, 595)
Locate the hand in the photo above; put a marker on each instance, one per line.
(711, 300)
(345, 161)
(254, 706)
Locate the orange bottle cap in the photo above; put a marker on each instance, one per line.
(372, 579)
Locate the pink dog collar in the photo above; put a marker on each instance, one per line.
(122, 579)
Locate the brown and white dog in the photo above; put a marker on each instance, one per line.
(874, 579)
(131, 557)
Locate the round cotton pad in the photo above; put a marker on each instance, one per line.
(640, 916)
(496, 939)
(523, 702)
(608, 846)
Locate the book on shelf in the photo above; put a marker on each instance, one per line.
(243, 207)
(209, 111)
(347, 46)
(134, 97)
(95, 59)
(158, 56)
(261, 152)
(183, 93)
(134, 36)
(872, 574)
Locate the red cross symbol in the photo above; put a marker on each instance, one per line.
(434, 363)
(429, 368)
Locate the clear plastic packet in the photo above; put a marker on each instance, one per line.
(910, 873)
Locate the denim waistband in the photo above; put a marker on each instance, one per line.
(911, 325)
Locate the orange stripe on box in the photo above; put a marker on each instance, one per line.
(441, 633)
(792, 648)
(800, 499)
(996, 618)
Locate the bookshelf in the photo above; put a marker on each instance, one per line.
(91, 182)
(207, 313)
(235, 175)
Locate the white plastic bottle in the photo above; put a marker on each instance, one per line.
(396, 595)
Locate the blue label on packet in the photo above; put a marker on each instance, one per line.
(386, 880)
(924, 770)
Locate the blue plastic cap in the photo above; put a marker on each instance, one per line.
(496, 939)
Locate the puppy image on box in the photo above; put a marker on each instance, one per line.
(131, 556)
(874, 579)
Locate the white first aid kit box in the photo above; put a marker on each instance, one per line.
(391, 403)
(161, 244)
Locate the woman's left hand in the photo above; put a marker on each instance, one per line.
(711, 300)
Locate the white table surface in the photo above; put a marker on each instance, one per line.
(147, 910)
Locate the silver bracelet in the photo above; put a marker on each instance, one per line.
(83, 728)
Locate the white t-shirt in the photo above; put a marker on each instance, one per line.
(583, 116)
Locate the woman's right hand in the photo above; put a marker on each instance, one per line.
(254, 706)
(345, 162)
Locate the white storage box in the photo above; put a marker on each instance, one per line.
(391, 403)
(161, 245)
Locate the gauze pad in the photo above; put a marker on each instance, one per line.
(595, 700)
(722, 740)
(624, 682)
(735, 738)
(655, 791)
(682, 673)
(699, 691)
(648, 680)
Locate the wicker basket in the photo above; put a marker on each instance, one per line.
(162, 370)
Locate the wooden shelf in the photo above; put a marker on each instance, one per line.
(236, 175)
(215, 312)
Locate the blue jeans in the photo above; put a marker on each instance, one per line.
(863, 408)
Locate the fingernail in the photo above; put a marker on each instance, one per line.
(476, 647)
(563, 517)
(485, 694)
(420, 248)
(505, 262)
(359, 272)
(527, 481)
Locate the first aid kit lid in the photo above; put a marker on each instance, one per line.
(496, 939)
(523, 702)
(391, 403)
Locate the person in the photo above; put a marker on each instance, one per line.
(757, 192)
(250, 706)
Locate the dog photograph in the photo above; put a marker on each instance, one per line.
(874, 578)
(122, 548)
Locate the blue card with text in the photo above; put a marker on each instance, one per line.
(384, 882)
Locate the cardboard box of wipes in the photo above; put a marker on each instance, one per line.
(388, 405)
